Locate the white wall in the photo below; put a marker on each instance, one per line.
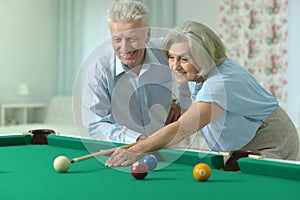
(27, 50)
(204, 11)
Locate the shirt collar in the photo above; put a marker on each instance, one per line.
(196, 87)
(149, 59)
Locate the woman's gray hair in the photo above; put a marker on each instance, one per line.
(206, 48)
(129, 10)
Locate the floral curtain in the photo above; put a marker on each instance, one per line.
(255, 34)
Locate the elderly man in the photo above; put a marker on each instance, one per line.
(128, 92)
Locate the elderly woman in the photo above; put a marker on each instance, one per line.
(229, 106)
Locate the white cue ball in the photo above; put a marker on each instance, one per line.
(61, 164)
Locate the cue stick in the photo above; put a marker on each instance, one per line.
(100, 153)
(259, 157)
(224, 153)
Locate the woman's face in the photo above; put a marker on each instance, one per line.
(181, 62)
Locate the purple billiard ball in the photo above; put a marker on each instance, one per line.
(139, 170)
(151, 161)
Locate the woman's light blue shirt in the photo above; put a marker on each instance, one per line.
(245, 102)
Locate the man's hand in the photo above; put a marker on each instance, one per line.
(140, 138)
(174, 114)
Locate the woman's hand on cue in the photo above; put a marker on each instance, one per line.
(122, 157)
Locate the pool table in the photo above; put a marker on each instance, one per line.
(26, 172)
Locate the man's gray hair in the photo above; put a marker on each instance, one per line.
(129, 10)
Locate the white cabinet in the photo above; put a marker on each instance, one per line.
(22, 113)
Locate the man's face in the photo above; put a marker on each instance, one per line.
(129, 41)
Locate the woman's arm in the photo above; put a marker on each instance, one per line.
(195, 118)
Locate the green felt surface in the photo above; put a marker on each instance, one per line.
(8, 140)
(26, 172)
(270, 168)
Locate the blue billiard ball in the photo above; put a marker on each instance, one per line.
(151, 161)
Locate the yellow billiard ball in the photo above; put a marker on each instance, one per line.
(201, 172)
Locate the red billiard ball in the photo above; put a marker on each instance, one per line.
(151, 161)
(201, 172)
(139, 170)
